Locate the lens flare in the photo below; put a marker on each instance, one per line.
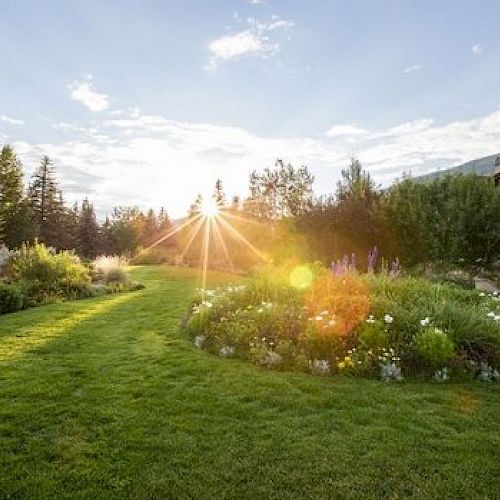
(301, 277)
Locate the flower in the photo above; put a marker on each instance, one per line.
(388, 319)
(226, 351)
(199, 341)
(426, 321)
(370, 319)
(319, 366)
(341, 365)
(272, 359)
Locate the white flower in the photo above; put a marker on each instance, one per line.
(319, 366)
(426, 321)
(226, 351)
(482, 294)
(388, 319)
(441, 375)
(199, 341)
(272, 359)
(370, 319)
(207, 304)
(491, 314)
(319, 318)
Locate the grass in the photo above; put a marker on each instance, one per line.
(104, 398)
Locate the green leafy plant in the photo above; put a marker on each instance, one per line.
(434, 346)
(11, 298)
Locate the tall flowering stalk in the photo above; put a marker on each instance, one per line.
(372, 259)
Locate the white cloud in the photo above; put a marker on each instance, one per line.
(256, 2)
(84, 92)
(11, 121)
(151, 160)
(345, 130)
(477, 49)
(411, 69)
(258, 39)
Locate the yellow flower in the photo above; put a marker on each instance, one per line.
(341, 365)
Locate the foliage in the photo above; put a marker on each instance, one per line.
(338, 303)
(434, 346)
(358, 324)
(11, 298)
(110, 269)
(454, 219)
(45, 274)
(280, 192)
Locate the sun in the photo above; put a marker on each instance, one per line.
(209, 208)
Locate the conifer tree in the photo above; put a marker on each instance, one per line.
(46, 203)
(11, 193)
(88, 231)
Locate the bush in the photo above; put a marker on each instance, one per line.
(434, 346)
(339, 303)
(110, 269)
(11, 298)
(44, 274)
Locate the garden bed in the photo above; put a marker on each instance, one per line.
(306, 318)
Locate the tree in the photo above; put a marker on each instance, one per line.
(46, 203)
(279, 193)
(11, 195)
(219, 196)
(453, 219)
(88, 239)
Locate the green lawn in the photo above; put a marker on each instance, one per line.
(104, 398)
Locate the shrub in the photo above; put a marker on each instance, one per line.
(110, 269)
(373, 334)
(342, 302)
(434, 346)
(44, 274)
(11, 298)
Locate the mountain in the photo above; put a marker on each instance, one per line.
(482, 166)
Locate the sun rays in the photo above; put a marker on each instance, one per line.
(214, 224)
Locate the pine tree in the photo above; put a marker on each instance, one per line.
(88, 231)
(11, 194)
(46, 203)
(150, 229)
(218, 195)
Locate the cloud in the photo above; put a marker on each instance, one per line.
(477, 49)
(84, 92)
(259, 38)
(151, 160)
(345, 130)
(256, 2)
(11, 121)
(411, 69)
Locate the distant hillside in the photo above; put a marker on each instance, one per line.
(481, 166)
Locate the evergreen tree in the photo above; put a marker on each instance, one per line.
(11, 194)
(218, 195)
(88, 231)
(46, 203)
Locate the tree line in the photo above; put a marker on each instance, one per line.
(38, 212)
(452, 219)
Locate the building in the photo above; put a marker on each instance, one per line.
(496, 172)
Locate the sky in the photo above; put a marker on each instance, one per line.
(148, 103)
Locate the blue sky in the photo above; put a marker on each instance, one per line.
(149, 102)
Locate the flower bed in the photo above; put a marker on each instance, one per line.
(370, 325)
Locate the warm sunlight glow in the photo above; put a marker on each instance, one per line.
(209, 208)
